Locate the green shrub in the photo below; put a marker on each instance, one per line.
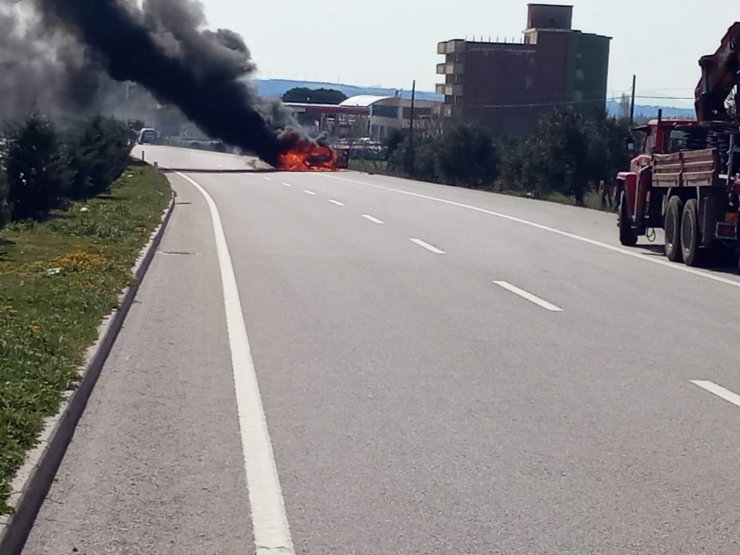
(464, 155)
(467, 156)
(36, 167)
(4, 208)
(98, 153)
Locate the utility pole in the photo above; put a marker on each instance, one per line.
(632, 104)
(411, 129)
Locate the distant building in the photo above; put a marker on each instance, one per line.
(509, 85)
(393, 113)
(368, 116)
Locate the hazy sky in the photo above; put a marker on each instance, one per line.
(390, 43)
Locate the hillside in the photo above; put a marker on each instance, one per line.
(278, 87)
(647, 111)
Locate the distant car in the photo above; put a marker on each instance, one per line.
(148, 136)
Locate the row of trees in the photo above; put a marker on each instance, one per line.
(42, 167)
(567, 153)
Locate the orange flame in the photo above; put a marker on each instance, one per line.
(306, 156)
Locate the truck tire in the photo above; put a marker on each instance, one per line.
(673, 229)
(690, 233)
(627, 235)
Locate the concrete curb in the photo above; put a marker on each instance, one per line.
(34, 478)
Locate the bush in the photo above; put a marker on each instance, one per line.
(98, 153)
(394, 140)
(36, 167)
(468, 157)
(567, 154)
(4, 208)
(464, 156)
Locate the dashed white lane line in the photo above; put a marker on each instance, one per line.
(267, 178)
(633, 253)
(336, 202)
(269, 519)
(427, 246)
(528, 296)
(373, 219)
(287, 184)
(719, 391)
(312, 193)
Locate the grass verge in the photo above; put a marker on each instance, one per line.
(368, 166)
(58, 280)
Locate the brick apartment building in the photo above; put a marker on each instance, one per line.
(508, 86)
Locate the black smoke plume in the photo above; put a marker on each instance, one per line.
(45, 69)
(162, 45)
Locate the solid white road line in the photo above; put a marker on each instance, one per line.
(308, 192)
(287, 184)
(336, 202)
(427, 246)
(633, 253)
(373, 219)
(269, 520)
(719, 391)
(529, 296)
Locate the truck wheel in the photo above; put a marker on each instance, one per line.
(673, 229)
(627, 235)
(690, 233)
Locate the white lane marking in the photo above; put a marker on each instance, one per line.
(269, 520)
(373, 219)
(336, 202)
(308, 192)
(719, 391)
(267, 178)
(529, 296)
(287, 184)
(633, 253)
(427, 246)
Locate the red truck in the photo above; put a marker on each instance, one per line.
(686, 179)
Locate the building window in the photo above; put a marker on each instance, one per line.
(381, 111)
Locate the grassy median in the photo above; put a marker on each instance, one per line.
(58, 280)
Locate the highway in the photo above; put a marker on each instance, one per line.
(439, 371)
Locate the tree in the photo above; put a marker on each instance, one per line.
(607, 152)
(561, 154)
(567, 153)
(394, 140)
(423, 161)
(468, 157)
(4, 208)
(516, 164)
(464, 156)
(98, 153)
(36, 168)
(314, 96)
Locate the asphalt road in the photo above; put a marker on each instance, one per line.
(442, 371)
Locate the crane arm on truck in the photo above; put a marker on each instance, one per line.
(720, 74)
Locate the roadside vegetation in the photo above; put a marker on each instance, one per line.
(568, 158)
(77, 212)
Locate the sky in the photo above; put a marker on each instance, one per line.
(390, 43)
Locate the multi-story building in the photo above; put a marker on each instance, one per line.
(509, 85)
